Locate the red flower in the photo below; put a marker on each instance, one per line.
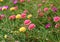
(41, 14)
(49, 18)
(12, 17)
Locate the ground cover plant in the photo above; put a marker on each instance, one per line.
(29, 20)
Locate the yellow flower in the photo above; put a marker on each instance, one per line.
(5, 36)
(12, 8)
(3, 8)
(29, 16)
(1, 0)
(18, 16)
(22, 29)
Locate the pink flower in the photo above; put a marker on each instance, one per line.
(28, 0)
(2, 16)
(57, 25)
(23, 15)
(12, 17)
(22, 1)
(31, 26)
(45, 9)
(15, 1)
(27, 22)
(52, 5)
(39, 10)
(25, 11)
(56, 18)
(39, 5)
(4, 7)
(54, 9)
(48, 25)
(43, 1)
(16, 7)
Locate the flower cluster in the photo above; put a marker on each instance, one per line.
(24, 16)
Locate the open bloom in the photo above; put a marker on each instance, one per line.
(4, 7)
(47, 25)
(54, 9)
(27, 22)
(12, 17)
(41, 14)
(39, 5)
(39, 10)
(21, 1)
(1, 0)
(2, 16)
(22, 29)
(57, 25)
(28, 0)
(15, 1)
(43, 1)
(23, 15)
(52, 5)
(31, 26)
(29, 16)
(45, 9)
(13, 8)
(25, 11)
(56, 18)
(18, 16)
